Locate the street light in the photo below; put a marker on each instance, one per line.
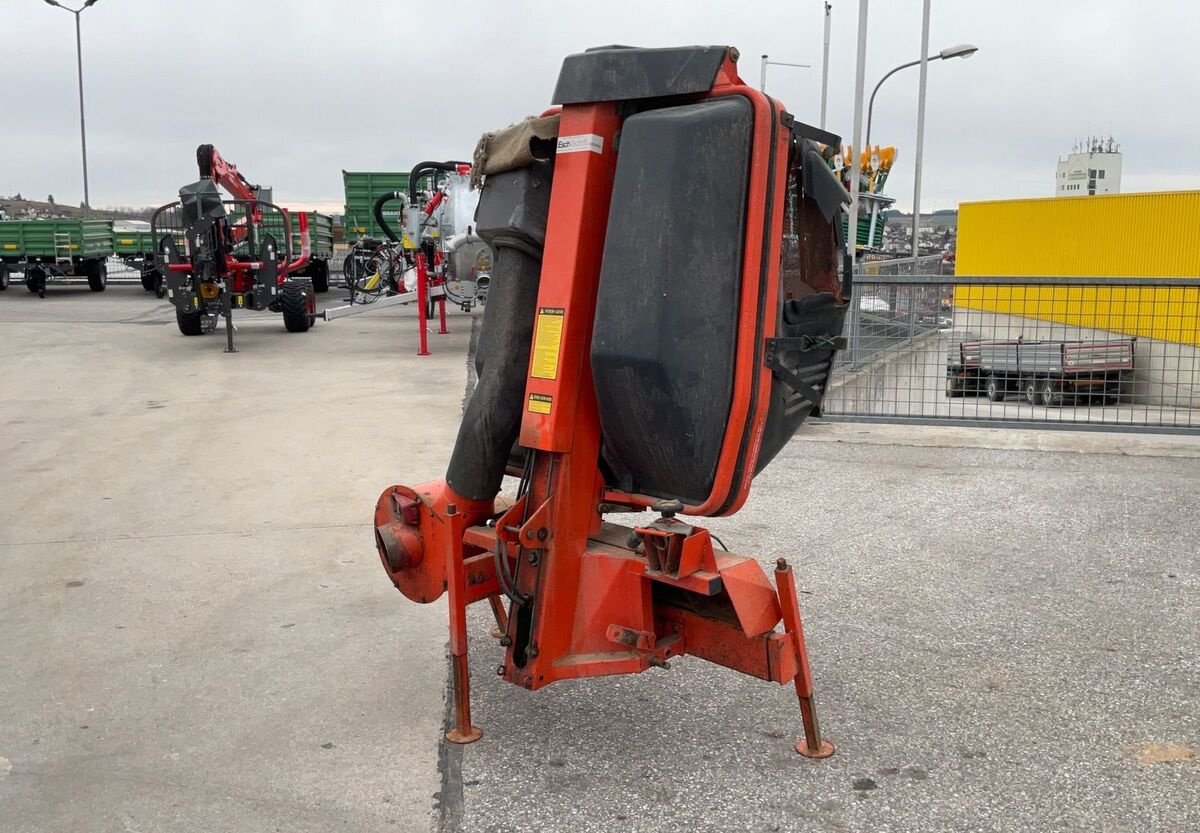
(87, 4)
(963, 50)
(762, 76)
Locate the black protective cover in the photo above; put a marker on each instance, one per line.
(621, 73)
(814, 316)
(664, 339)
(511, 218)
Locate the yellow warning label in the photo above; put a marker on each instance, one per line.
(546, 343)
(539, 403)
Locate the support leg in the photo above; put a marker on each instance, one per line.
(811, 745)
(462, 731)
(442, 314)
(422, 296)
(228, 304)
(501, 617)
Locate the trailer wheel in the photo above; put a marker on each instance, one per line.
(299, 305)
(35, 280)
(97, 275)
(196, 323)
(3, 276)
(954, 386)
(996, 389)
(1031, 391)
(150, 279)
(1051, 396)
(320, 275)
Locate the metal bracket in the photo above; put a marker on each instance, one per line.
(806, 131)
(801, 344)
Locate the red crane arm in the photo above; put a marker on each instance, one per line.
(225, 174)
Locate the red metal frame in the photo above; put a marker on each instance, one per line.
(588, 601)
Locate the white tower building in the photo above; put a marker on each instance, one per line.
(1093, 167)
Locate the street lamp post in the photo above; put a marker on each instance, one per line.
(825, 65)
(964, 50)
(87, 205)
(762, 75)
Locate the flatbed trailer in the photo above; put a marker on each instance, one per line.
(51, 251)
(1043, 372)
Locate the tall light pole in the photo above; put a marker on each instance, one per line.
(87, 204)
(825, 64)
(964, 50)
(860, 74)
(762, 75)
(916, 227)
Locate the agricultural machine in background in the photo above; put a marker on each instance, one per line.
(236, 253)
(434, 257)
(659, 323)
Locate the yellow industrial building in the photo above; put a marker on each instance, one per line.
(1103, 237)
(1112, 236)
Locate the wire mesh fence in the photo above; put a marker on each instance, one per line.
(923, 265)
(1088, 353)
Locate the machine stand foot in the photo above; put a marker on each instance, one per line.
(823, 751)
(470, 736)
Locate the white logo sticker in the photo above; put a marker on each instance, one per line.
(584, 141)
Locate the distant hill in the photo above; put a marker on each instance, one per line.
(938, 219)
(17, 209)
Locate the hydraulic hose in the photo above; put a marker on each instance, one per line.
(377, 210)
(422, 169)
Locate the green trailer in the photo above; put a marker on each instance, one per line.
(136, 248)
(49, 251)
(320, 238)
(362, 189)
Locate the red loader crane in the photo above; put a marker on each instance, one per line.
(222, 254)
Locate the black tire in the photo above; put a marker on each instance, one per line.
(35, 280)
(320, 275)
(1049, 394)
(954, 386)
(150, 279)
(996, 389)
(194, 323)
(298, 303)
(4, 274)
(1031, 391)
(97, 275)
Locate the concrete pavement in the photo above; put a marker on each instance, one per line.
(1002, 640)
(196, 632)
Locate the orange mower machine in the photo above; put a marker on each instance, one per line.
(663, 314)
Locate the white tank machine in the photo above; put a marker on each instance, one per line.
(449, 226)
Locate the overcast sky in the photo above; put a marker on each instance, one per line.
(294, 91)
